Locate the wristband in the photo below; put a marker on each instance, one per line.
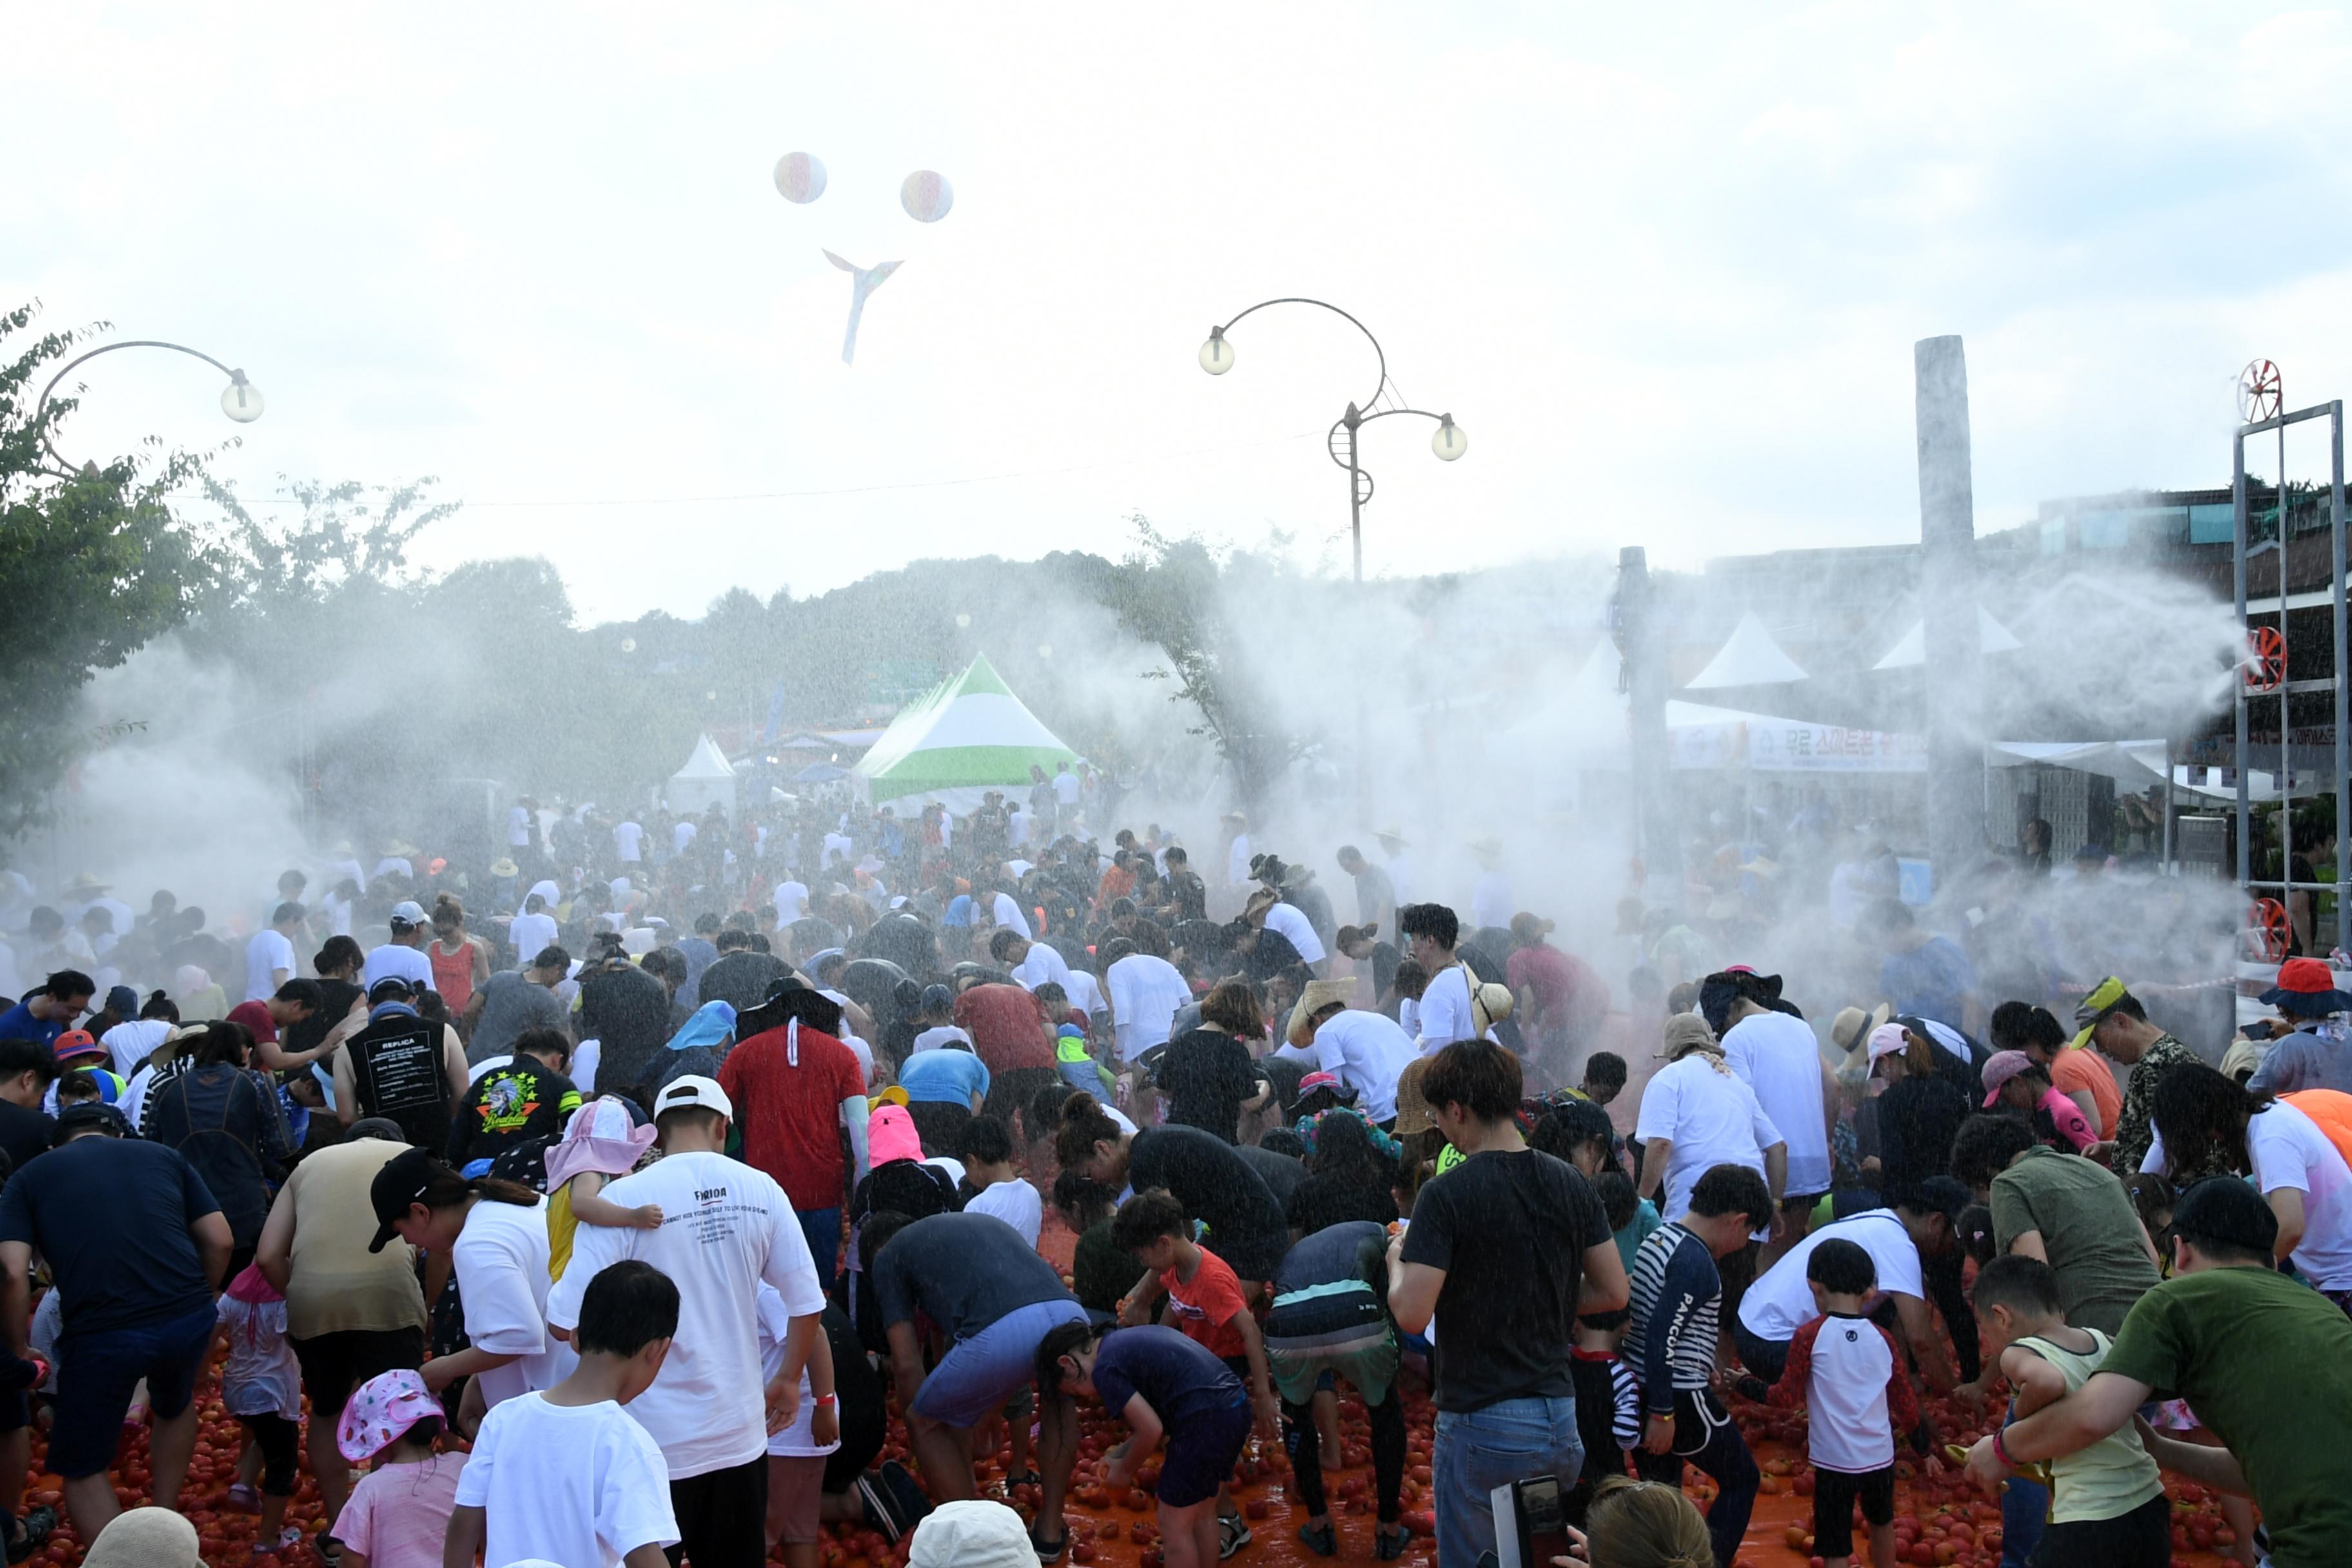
(2001, 1449)
(825, 1401)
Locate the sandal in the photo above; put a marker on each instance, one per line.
(244, 1496)
(1025, 1478)
(1389, 1541)
(1320, 1539)
(1048, 1551)
(33, 1532)
(1232, 1535)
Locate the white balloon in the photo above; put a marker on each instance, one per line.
(926, 196)
(800, 177)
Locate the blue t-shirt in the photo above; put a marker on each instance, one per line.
(1176, 1375)
(111, 1215)
(1929, 982)
(946, 1076)
(959, 912)
(18, 1024)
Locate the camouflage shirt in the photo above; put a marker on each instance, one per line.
(2136, 1126)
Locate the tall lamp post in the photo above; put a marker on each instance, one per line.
(240, 400)
(1448, 443)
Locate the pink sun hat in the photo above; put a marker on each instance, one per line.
(380, 1412)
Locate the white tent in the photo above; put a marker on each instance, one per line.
(1748, 657)
(707, 779)
(967, 736)
(1910, 650)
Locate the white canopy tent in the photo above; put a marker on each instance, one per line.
(1748, 657)
(1910, 650)
(707, 779)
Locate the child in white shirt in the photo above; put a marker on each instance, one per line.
(262, 1386)
(796, 1455)
(986, 1150)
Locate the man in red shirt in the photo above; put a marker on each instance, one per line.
(797, 1090)
(1561, 1001)
(295, 1002)
(1009, 1033)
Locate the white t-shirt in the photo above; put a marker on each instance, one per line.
(1400, 871)
(1237, 859)
(1490, 900)
(1443, 1014)
(392, 960)
(262, 1376)
(1019, 824)
(680, 835)
(1086, 996)
(1066, 789)
(1289, 921)
(1780, 1303)
(1006, 912)
(1042, 965)
(1015, 1203)
(1713, 1120)
(532, 935)
(628, 840)
(725, 1228)
(582, 1485)
(1367, 1052)
(519, 827)
(1145, 993)
(132, 1043)
(2288, 1149)
(501, 1261)
(792, 901)
(837, 847)
(932, 1039)
(584, 1067)
(797, 1441)
(1777, 1057)
(1849, 1430)
(267, 952)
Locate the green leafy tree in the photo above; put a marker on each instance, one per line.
(92, 565)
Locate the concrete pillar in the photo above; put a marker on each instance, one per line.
(1645, 688)
(1947, 596)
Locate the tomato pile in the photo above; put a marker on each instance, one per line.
(1940, 1519)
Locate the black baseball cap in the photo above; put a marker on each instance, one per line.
(401, 1182)
(390, 988)
(89, 1115)
(2226, 1209)
(1940, 1194)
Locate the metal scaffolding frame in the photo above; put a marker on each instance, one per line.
(2336, 681)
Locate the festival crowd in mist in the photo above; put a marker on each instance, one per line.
(602, 1200)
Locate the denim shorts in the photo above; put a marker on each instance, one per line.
(1478, 1450)
(96, 1373)
(976, 1376)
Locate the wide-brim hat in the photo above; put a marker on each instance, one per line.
(1851, 1025)
(1685, 1033)
(1486, 845)
(1412, 1106)
(86, 885)
(503, 866)
(1392, 834)
(2306, 987)
(1319, 995)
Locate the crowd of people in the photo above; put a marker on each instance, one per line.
(603, 1203)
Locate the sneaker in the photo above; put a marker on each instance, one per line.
(1389, 1543)
(33, 1532)
(1323, 1539)
(881, 1510)
(1049, 1553)
(914, 1504)
(244, 1496)
(1233, 1534)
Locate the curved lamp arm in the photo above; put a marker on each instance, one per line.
(1217, 337)
(239, 385)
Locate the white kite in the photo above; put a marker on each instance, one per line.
(925, 196)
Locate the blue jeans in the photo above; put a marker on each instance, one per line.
(2024, 1514)
(822, 1228)
(1478, 1450)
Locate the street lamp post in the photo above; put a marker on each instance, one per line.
(240, 400)
(1448, 443)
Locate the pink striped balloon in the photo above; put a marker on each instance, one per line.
(926, 196)
(800, 177)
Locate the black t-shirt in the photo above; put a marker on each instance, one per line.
(111, 1215)
(1511, 1231)
(1207, 1076)
(1101, 1271)
(337, 996)
(521, 1098)
(1322, 1202)
(741, 979)
(1269, 955)
(1282, 1175)
(1219, 1187)
(24, 1133)
(963, 1271)
(1917, 1120)
(1175, 1373)
(628, 1011)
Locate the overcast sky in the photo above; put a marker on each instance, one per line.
(1664, 263)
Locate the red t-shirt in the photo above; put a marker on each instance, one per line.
(1007, 1027)
(789, 1113)
(254, 1015)
(1558, 979)
(1206, 1306)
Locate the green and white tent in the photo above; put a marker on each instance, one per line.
(965, 737)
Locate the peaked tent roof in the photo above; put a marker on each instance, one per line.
(968, 733)
(1748, 657)
(706, 761)
(1910, 650)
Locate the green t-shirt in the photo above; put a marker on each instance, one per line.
(2266, 1362)
(2089, 1231)
(1101, 1271)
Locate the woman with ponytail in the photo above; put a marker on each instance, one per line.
(494, 1234)
(2207, 1124)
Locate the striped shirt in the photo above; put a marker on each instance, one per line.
(1676, 1297)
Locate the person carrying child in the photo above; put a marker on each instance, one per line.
(566, 1474)
(261, 1386)
(1845, 1371)
(1161, 1383)
(399, 1514)
(603, 1142)
(2107, 1507)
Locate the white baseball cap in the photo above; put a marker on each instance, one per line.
(408, 912)
(690, 1091)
